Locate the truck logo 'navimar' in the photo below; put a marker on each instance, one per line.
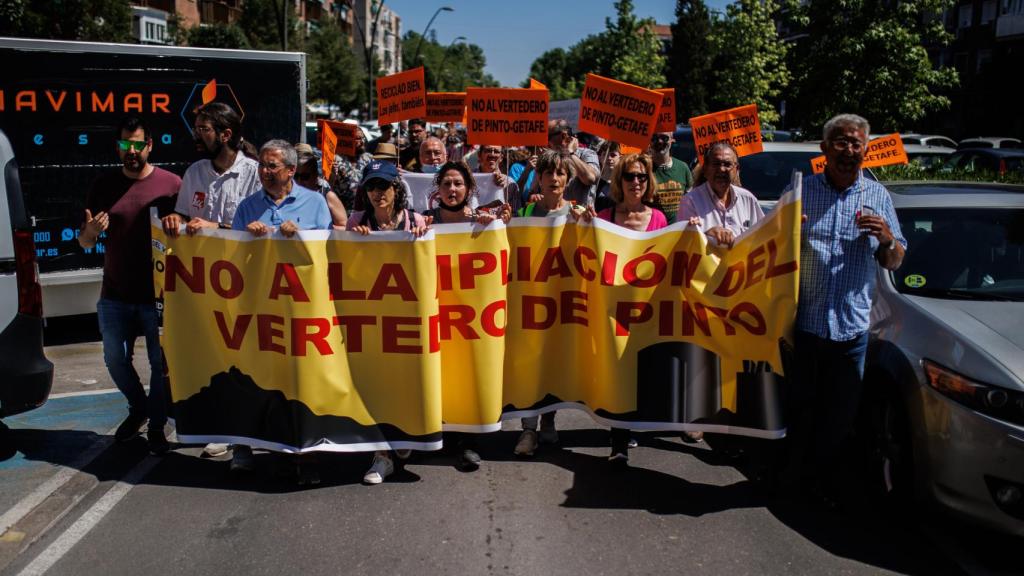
(206, 93)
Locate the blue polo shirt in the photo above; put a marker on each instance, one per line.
(306, 208)
(837, 261)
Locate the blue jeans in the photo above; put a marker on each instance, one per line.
(121, 323)
(829, 385)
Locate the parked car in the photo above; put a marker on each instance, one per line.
(928, 140)
(927, 156)
(944, 379)
(989, 142)
(997, 160)
(25, 374)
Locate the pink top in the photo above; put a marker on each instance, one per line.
(656, 222)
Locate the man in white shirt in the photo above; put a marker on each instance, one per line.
(210, 193)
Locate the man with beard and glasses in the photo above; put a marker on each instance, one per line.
(214, 186)
(672, 174)
(119, 205)
(211, 191)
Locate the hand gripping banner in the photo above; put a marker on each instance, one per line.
(334, 341)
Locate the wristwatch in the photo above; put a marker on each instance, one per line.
(892, 244)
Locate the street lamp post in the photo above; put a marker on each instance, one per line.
(419, 44)
(440, 68)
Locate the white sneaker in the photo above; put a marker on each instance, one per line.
(527, 443)
(381, 468)
(212, 450)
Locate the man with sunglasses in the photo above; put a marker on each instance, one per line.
(672, 175)
(841, 243)
(118, 205)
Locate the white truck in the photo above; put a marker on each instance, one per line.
(60, 103)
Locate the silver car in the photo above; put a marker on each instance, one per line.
(944, 394)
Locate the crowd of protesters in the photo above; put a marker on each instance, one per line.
(281, 188)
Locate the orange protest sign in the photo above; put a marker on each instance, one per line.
(625, 149)
(535, 85)
(446, 106)
(740, 127)
(667, 112)
(618, 111)
(507, 116)
(328, 143)
(882, 151)
(401, 96)
(346, 134)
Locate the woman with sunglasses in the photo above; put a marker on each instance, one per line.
(387, 207)
(631, 187)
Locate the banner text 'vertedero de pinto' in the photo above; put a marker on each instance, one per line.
(343, 342)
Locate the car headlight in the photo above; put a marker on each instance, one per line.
(999, 403)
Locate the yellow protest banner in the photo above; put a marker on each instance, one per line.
(401, 96)
(740, 127)
(446, 107)
(618, 111)
(882, 151)
(507, 116)
(667, 112)
(334, 341)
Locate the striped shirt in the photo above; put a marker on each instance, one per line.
(837, 261)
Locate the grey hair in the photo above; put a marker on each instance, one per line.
(843, 120)
(288, 153)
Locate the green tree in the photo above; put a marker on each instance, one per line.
(635, 50)
(217, 36)
(261, 22)
(750, 58)
(627, 50)
(690, 59)
(335, 76)
(446, 68)
(88, 20)
(869, 57)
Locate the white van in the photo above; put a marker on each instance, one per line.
(25, 374)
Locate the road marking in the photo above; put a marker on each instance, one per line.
(54, 483)
(67, 540)
(83, 393)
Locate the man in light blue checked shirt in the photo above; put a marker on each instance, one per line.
(850, 226)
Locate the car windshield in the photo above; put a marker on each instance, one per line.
(768, 173)
(958, 253)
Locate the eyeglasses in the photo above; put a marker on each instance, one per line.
(377, 185)
(660, 138)
(847, 143)
(203, 129)
(640, 177)
(490, 150)
(133, 145)
(728, 165)
(270, 166)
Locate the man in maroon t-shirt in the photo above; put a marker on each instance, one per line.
(118, 205)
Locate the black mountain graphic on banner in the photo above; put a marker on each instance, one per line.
(234, 405)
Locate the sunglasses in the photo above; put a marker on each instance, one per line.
(640, 177)
(133, 145)
(659, 138)
(559, 133)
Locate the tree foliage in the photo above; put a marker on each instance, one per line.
(627, 50)
(87, 20)
(261, 23)
(334, 73)
(868, 57)
(449, 68)
(217, 36)
(690, 59)
(749, 58)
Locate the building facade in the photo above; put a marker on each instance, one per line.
(386, 39)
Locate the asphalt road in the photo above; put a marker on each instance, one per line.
(73, 502)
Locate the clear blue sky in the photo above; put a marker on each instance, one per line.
(513, 33)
